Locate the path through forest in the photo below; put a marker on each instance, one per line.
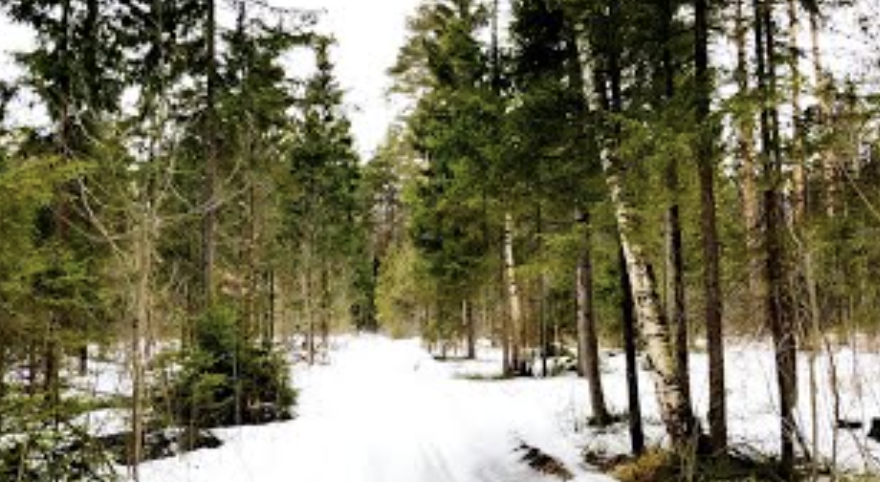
(385, 411)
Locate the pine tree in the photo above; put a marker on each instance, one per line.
(323, 213)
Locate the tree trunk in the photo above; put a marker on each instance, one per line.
(3, 355)
(711, 252)
(309, 315)
(470, 325)
(671, 395)
(823, 94)
(748, 170)
(778, 302)
(83, 358)
(675, 285)
(326, 310)
(209, 220)
(798, 154)
(269, 336)
(142, 256)
(586, 323)
(675, 409)
(513, 295)
(630, 334)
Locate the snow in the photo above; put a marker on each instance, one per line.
(385, 410)
(752, 402)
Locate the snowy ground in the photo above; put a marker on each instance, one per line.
(385, 411)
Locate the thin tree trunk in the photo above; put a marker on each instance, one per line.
(778, 303)
(4, 350)
(675, 288)
(545, 340)
(309, 315)
(748, 169)
(269, 337)
(709, 225)
(142, 257)
(83, 358)
(799, 168)
(513, 295)
(630, 334)
(506, 331)
(586, 323)
(209, 220)
(326, 309)
(822, 92)
(470, 326)
(815, 349)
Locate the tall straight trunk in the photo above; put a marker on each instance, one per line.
(90, 64)
(3, 355)
(630, 345)
(675, 300)
(142, 257)
(58, 316)
(748, 168)
(588, 345)
(269, 333)
(809, 260)
(90, 59)
(708, 223)
(309, 314)
(778, 303)
(543, 324)
(33, 369)
(675, 409)
(470, 325)
(513, 295)
(326, 309)
(823, 94)
(505, 329)
(798, 154)
(209, 220)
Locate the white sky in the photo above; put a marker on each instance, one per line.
(369, 34)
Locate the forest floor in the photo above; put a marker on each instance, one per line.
(386, 411)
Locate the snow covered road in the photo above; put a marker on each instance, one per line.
(385, 411)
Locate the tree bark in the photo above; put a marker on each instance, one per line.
(470, 326)
(630, 334)
(586, 322)
(513, 295)
(747, 173)
(309, 315)
(799, 168)
(675, 409)
(708, 223)
(142, 256)
(209, 219)
(675, 290)
(823, 94)
(778, 302)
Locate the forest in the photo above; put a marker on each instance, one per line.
(660, 211)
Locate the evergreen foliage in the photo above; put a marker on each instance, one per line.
(223, 381)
